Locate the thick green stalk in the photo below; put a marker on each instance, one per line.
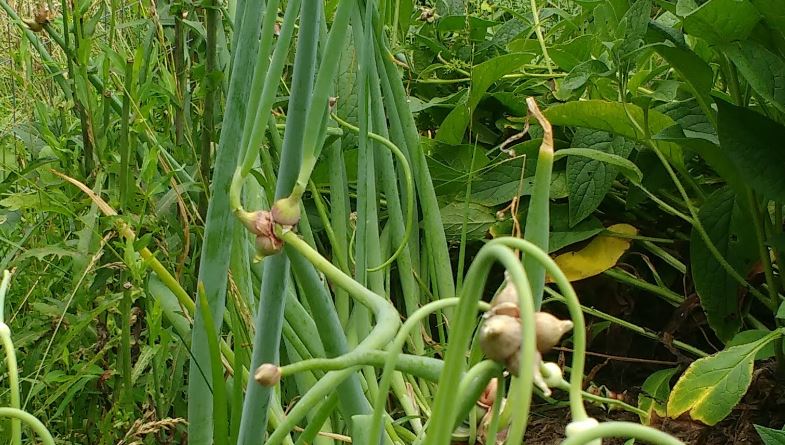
(13, 381)
(350, 392)
(401, 233)
(276, 268)
(339, 212)
(266, 79)
(322, 88)
(423, 367)
(31, 421)
(622, 429)
(444, 409)
(394, 351)
(321, 414)
(434, 229)
(10, 360)
(214, 261)
(221, 432)
(538, 218)
(256, 122)
(387, 323)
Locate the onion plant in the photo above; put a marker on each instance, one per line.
(323, 321)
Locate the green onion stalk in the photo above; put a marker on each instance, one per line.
(316, 117)
(400, 115)
(393, 352)
(444, 411)
(268, 80)
(219, 226)
(276, 268)
(538, 217)
(387, 324)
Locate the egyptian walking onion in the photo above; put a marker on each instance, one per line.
(500, 334)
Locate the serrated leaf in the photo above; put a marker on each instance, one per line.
(764, 70)
(728, 227)
(655, 391)
(722, 21)
(713, 385)
(602, 253)
(612, 117)
(43, 252)
(753, 143)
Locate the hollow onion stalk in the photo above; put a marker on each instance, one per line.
(276, 268)
(215, 255)
(538, 218)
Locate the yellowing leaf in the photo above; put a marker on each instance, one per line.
(713, 385)
(599, 255)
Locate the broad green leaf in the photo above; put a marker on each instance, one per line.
(781, 311)
(655, 391)
(483, 76)
(709, 151)
(764, 70)
(729, 229)
(632, 27)
(696, 72)
(478, 220)
(602, 253)
(689, 115)
(754, 144)
(722, 21)
(750, 336)
(770, 436)
(592, 170)
(625, 166)
(562, 234)
(713, 385)
(583, 72)
(611, 117)
(570, 54)
(773, 12)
